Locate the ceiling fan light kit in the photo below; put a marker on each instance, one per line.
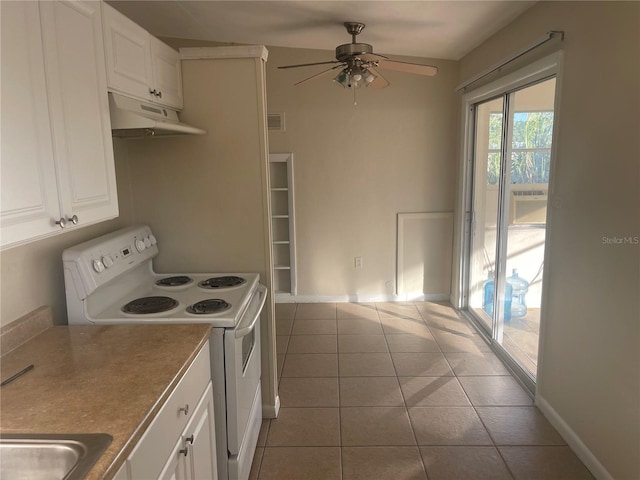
(359, 63)
(354, 78)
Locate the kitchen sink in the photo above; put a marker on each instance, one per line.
(50, 456)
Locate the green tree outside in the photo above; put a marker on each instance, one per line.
(531, 147)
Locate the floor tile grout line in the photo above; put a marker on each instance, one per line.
(406, 409)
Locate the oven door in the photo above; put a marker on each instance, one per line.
(243, 370)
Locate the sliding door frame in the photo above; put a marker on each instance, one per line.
(538, 71)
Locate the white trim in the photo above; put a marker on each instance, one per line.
(280, 157)
(355, 297)
(573, 440)
(213, 53)
(271, 411)
(544, 307)
(402, 219)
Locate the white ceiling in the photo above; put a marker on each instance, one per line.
(434, 29)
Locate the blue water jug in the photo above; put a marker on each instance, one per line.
(520, 287)
(487, 304)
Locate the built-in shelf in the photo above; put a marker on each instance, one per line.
(282, 223)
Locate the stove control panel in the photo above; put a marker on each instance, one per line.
(96, 262)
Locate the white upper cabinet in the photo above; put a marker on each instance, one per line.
(57, 161)
(74, 58)
(29, 189)
(167, 73)
(128, 54)
(138, 64)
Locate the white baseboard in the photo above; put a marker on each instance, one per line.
(271, 411)
(432, 297)
(573, 440)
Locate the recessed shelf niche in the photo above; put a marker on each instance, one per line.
(282, 223)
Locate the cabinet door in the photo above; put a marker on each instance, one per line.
(167, 74)
(176, 466)
(128, 55)
(29, 193)
(77, 90)
(122, 474)
(200, 436)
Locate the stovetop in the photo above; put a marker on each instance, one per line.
(181, 299)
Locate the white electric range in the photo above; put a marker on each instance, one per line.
(110, 280)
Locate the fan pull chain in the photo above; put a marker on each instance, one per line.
(354, 97)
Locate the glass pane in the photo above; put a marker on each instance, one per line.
(529, 152)
(488, 143)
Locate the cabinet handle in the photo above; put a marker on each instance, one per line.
(184, 451)
(159, 94)
(62, 222)
(189, 439)
(184, 409)
(152, 91)
(73, 219)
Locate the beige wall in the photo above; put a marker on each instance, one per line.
(31, 275)
(357, 167)
(202, 195)
(590, 357)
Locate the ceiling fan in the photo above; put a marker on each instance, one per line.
(359, 64)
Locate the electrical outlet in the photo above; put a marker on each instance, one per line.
(357, 262)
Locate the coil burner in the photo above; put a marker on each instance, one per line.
(209, 306)
(221, 282)
(147, 305)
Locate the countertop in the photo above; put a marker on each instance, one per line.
(97, 379)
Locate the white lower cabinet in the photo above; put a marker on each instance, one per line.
(180, 442)
(192, 458)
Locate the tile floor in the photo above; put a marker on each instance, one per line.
(400, 391)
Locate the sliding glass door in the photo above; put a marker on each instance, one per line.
(486, 174)
(511, 163)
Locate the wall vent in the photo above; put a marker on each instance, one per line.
(275, 121)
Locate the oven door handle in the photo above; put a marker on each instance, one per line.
(242, 330)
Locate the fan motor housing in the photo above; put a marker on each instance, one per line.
(348, 50)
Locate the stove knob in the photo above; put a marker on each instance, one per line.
(107, 261)
(140, 246)
(147, 242)
(98, 266)
(153, 239)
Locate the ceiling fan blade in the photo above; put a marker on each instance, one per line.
(310, 64)
(324, 72)
(379, 81)
(408, 67)
(372, 57)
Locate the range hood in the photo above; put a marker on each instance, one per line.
(131, 118)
